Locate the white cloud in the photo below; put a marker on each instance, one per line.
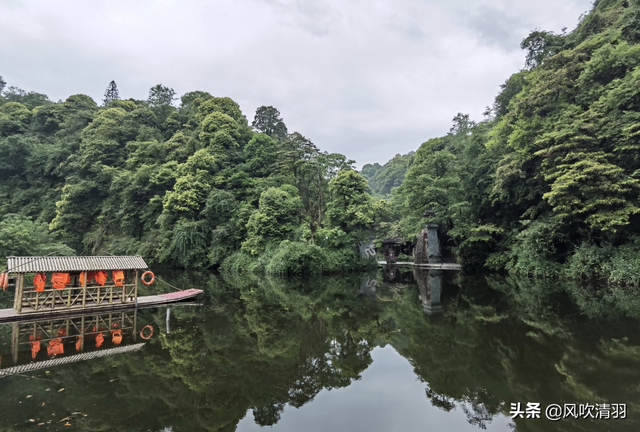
(365, 78)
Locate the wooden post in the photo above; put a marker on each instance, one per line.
(84, 297)
(135, 296)
(19, 283)
(135, 320)
(15, 339)
(69, 292)
(82, 333)
(15, 295)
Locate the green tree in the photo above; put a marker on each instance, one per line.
(20, 236)
(541, 45)
(261, 154)
(276, 218)
(268, 121)
(15, 118)
(351, 207)
(28, 99)
(160, 95)
(111, 93)
(382, 179)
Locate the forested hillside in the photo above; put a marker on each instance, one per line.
(549, 182)
(382, 179)
(185, 187)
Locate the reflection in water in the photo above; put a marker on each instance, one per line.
(430, 286)
(368, 286)
(266, 346)
(67, 340)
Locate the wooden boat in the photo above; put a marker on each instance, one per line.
(63, 285)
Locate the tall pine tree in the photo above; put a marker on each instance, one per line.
(111, 93)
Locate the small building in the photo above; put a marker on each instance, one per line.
(393, 247)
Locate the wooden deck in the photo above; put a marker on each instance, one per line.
(441, 266)
(10, 315)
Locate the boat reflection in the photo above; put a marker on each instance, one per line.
(46, 342)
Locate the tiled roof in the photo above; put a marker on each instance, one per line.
(33, 264)
(392, 240)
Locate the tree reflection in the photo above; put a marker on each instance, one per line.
(261, 345)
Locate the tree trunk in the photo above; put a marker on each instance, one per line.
(320, 199)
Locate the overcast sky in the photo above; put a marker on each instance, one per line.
(368, 79)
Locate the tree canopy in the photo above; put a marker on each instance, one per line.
(188, 186)
(553, 169)
(547, 180)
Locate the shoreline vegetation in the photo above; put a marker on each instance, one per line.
(546, 185)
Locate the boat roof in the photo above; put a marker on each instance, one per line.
(29, 367)
(34, 264)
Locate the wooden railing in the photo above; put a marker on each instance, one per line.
(84, 325)
(28, 300)
(75, 297)
(74, 328)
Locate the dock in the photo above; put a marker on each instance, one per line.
(434, 266)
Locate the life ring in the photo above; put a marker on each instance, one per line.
(4, 279)
(148, 326)
(148, 272)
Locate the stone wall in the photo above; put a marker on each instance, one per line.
(421, 251)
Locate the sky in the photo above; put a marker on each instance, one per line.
(368, 79)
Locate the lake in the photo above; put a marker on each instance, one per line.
(394, 350)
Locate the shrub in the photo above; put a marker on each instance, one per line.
(624, 266)
(296, 258)
(587, 261)
(346, 259)
(617, 265)
(237, 263)
(534, 250)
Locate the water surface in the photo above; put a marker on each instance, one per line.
(389, 351)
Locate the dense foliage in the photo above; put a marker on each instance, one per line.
(186, 186)
(384, 178)
(549, 182)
